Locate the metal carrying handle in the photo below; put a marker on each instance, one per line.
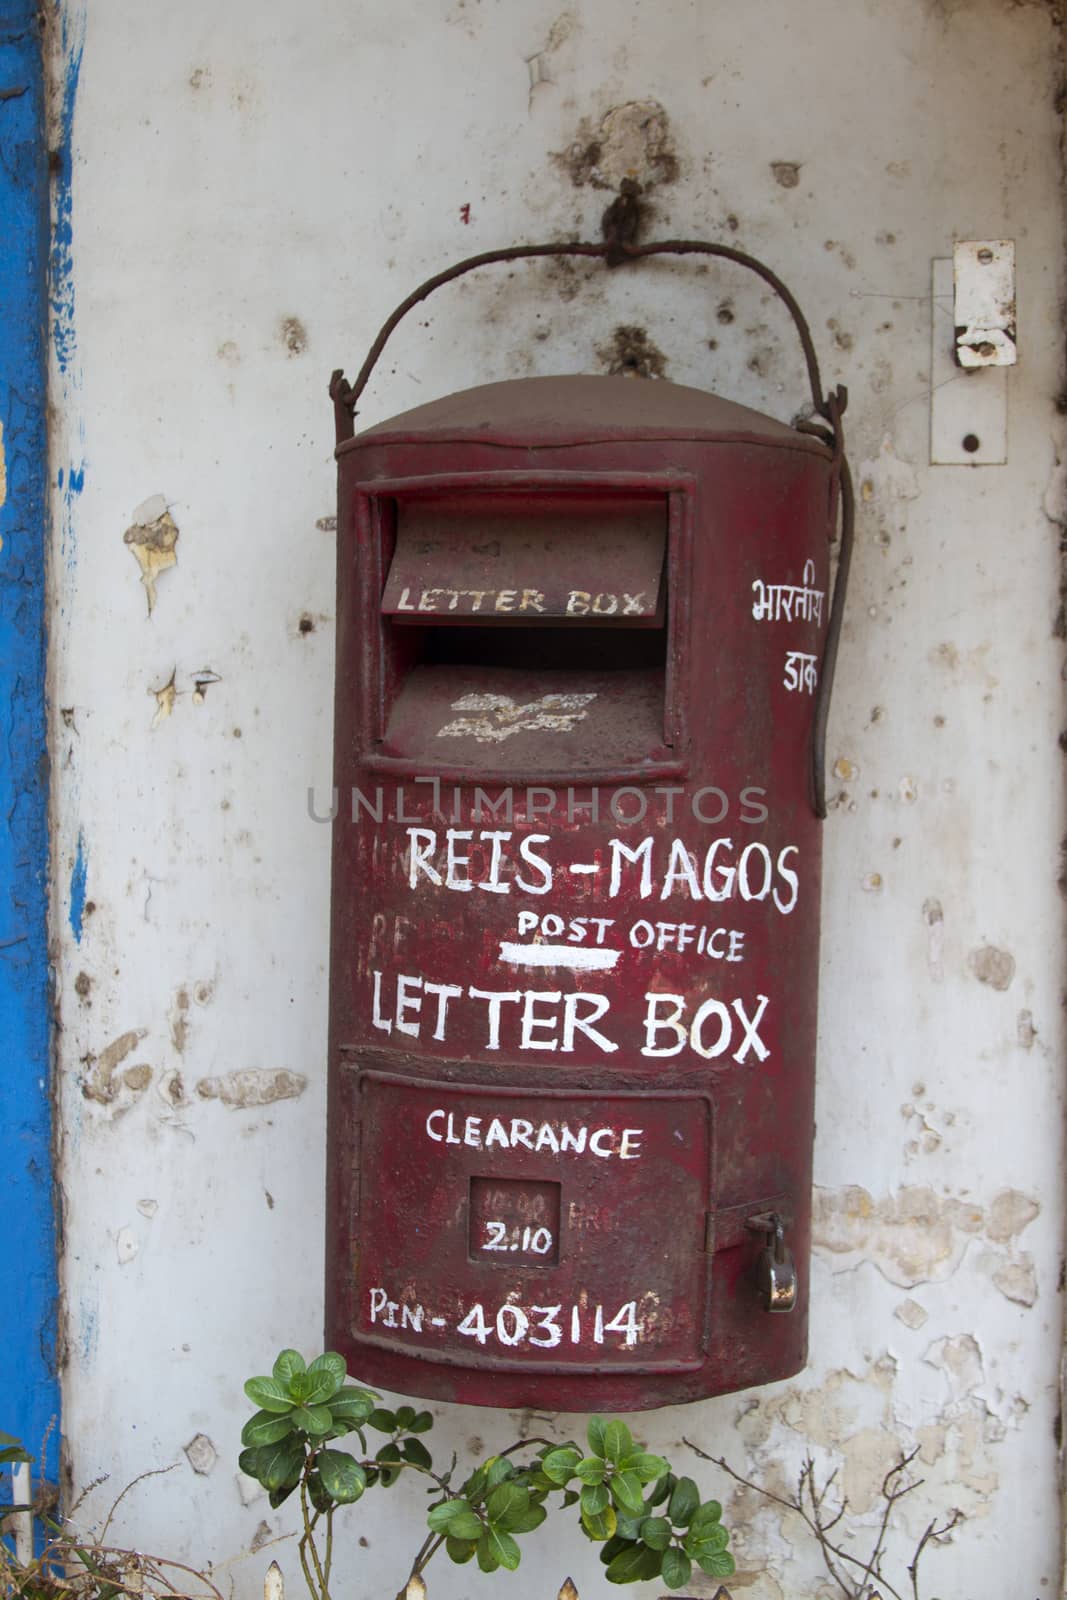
(830, 408)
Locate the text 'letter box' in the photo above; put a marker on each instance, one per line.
(575, 922)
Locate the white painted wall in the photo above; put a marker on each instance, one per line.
(241, 169)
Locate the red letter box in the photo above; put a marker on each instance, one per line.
(575, 923)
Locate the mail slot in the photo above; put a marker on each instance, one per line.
(575, 895)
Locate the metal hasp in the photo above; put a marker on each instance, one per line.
(581, 627)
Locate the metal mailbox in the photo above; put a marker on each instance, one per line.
(581, 638)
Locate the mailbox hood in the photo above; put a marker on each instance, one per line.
(580, 410)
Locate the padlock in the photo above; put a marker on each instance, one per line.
(776, 1273)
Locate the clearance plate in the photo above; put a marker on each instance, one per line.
(552, 1229)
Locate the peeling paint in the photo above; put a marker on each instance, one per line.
(253, 1087)
(201, 1454)
(631, 141)
(153, 537)
(1025, 1031)
(127, 1246)
(915, 1236)
(934, 918)
(786, 173)
(100, 1081)
(165, 699)
(992, 966)
(911, 1314)
(179, 1021)
(1010, 1212)
(78, 880)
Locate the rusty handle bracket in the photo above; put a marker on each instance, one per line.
(616, 252)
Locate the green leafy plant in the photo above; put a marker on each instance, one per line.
(649, 1522)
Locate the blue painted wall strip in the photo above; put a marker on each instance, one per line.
(29, 1395)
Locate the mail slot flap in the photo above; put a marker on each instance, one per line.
(555, 557)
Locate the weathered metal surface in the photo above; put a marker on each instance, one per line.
(983, 273)
(575, 916)
(460, 556)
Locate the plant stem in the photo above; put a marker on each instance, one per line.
(309, 1532)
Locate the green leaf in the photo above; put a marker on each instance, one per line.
(626, 1492)
(634, 1565)
(322, 1385)
(662, 1490)
(474, 1487)
(720, 1564)
(281, 1464)
(248, 1461)
(405, 1416)
(684, 1501)
(288, 1364)
(591, 1470)
(528, 1520)
(506, 1501)
(708, 1513)
(387, 1456)
(630, 1527)
(595, 1434)
(677, 1568)
(422, 1422)
(656, 1532)
(600, 1525)
(497, 1468)
(487, 1557)
(706, 1540)
(503, 1547)
(342, 1476)
(647, 1467)
(466, 1526)
(12, 1452)
(559, 1465)
(300, 1386)
(266, 1427)
(460, 1550)
(321, 1497)
(330, 1361)
(612, 1547)
(438, 1517)
(595, 1496)
(316, 1420)
(277, 1497)
(352, 1406)
(269, 1394)
(384, 1421)
(415, 1451)
(618, 1440)
(571, 1498)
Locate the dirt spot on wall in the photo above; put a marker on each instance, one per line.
(253, 1087)
(630, 141)
(293, 335)
(786, 173)
(153, 539)
(83, 985)
(992, 966)
(306, 624)
(630, 353)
